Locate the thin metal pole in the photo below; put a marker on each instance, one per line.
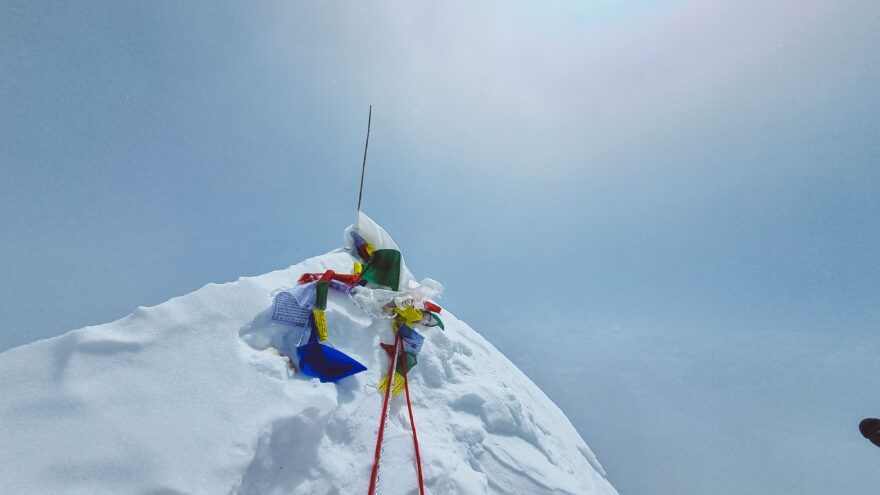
(364, 164)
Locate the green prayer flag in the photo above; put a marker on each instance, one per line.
(411, 362)
(321, 297)
(384, 268)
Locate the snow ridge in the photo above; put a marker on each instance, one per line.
(188, 397)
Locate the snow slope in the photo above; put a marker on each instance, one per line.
(185, 398)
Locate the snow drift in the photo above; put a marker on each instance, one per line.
(188, 397)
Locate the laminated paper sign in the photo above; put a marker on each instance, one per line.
(288, 310)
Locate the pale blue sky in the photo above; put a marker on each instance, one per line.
(685, 194)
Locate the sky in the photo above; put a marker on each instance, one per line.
(667, 213)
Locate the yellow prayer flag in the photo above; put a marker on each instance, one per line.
(321, 324)
(409, 314)
(398, 383)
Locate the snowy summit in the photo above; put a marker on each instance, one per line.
(205, 394)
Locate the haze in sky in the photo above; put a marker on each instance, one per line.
(710, 167)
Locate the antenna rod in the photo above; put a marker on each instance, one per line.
(364, 164)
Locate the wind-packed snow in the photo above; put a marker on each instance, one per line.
(188, 397)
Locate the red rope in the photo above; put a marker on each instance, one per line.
(375, 472)
(412, 422)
